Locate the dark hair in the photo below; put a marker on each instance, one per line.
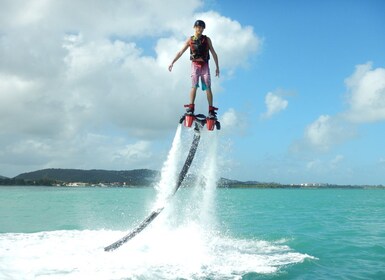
(200, 23)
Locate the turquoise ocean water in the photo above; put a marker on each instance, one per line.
(60, 233)
(202, 233)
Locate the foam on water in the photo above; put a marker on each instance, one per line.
(188, 251)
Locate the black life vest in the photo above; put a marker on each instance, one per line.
(199, 48)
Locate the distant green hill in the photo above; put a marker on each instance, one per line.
(131, 177)
(136, 177)
(59, 176)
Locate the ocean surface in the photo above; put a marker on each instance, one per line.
(203, 232)
(60, 233)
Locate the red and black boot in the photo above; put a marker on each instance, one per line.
(189, 116)
(190, 109)
(212, 113)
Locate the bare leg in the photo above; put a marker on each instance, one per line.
(193, 94)
(209, 96)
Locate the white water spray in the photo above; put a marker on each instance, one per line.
(210, 179)
(169, 171)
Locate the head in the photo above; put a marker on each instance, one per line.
(199, 26)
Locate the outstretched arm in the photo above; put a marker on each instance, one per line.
(179, 54)
(214, 54)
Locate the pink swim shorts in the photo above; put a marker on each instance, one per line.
(202, 70)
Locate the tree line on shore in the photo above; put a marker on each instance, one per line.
(136, 177)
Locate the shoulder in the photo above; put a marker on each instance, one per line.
(207, 38)
(188, 41)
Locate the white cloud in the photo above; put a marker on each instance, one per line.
(233, 122)
(134, 152)
(366, 100)
(230, 118)
(274, 104)
(220, 29)
(97, 17)
(319, 133)
(366, 94)
(72, 70)
(326, 132)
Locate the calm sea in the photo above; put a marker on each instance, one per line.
(60, 233)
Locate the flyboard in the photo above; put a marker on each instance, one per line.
(188, 119)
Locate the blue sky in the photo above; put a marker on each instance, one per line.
(309, 49)
(301, 93)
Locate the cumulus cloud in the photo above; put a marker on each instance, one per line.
(274, 104)
(319, 133)
(327, 131)
(219, 29)
(77, 77)
(366, 94)
(230, 118)
(233, 122)
(138, 151)
(97, 17)
(366, 103)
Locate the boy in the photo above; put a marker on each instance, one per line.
(200, 45)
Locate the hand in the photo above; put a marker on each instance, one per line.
(170, 67)
(216, 72)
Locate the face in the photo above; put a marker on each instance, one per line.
(198, 30)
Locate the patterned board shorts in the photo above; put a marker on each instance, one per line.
(202, 70)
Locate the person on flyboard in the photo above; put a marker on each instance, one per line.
(200, 45)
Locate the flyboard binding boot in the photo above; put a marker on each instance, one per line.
(200, 120)
(190, 108)
(211, 119)
(212, 113)
(189, 117)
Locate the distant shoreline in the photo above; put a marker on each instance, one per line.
(293, 186)
(143, 178)
(47, 183)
